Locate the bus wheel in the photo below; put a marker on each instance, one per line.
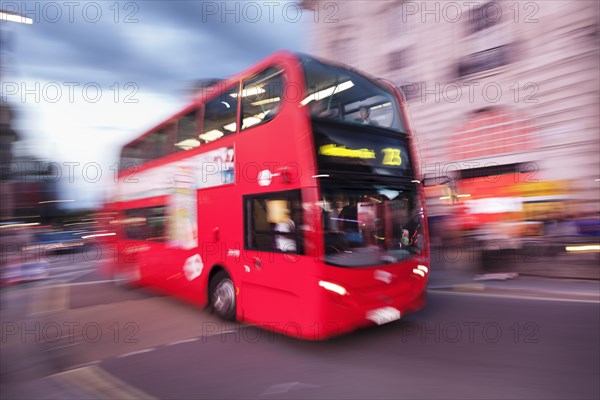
(222, 296)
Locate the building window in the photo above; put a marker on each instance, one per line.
(273, 222)
(485, 16)
(397, 60)
(484, 60)
(488, 41)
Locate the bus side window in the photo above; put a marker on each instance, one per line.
(169, 138)
(262, 97)
(157, 220)
(132, 156)
(148, 223)
(273, 222)
(134, 223)
(220, 116)
(187, 131)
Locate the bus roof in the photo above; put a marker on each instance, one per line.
(225, 84)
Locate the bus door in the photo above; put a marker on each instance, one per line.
(177, 264)
(272, 283)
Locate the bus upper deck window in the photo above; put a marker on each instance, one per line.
(262, 97)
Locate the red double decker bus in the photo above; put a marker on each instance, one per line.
(287, 197)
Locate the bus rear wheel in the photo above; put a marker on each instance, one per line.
(222, 296)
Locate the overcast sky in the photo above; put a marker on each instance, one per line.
(87, 77)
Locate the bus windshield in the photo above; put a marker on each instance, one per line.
(341, 95)
(370, 224)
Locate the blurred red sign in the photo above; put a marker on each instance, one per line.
(491, 132)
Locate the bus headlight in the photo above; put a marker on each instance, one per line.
(423, 268)
(333, 287)
(420, 270)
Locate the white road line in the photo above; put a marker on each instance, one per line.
(79, 283)
(87, 364)
(136, 352)
(222, 332)
(286, 387)
(510, 296)
(182, 341)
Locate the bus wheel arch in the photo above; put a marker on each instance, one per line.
(222, 297)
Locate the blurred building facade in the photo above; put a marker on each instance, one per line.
(28, 185)
(492, 85)
(7, 137)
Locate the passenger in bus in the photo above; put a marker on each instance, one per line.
(284, 238)
(320, 109)
(349, 223)
(365, 117)
(270, 114)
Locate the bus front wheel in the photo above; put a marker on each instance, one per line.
(222, 296)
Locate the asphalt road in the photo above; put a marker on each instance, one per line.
(459, 348)
(93, 340)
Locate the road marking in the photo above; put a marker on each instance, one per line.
(99, 383)
(222, 332)
(87, 364)
(49, 284)
(182, 341)
(136, 352)
(512, 296)
(469, 287)
(286, 387)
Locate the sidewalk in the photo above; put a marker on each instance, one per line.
(566, 276)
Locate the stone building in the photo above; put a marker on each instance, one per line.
(492, 85)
